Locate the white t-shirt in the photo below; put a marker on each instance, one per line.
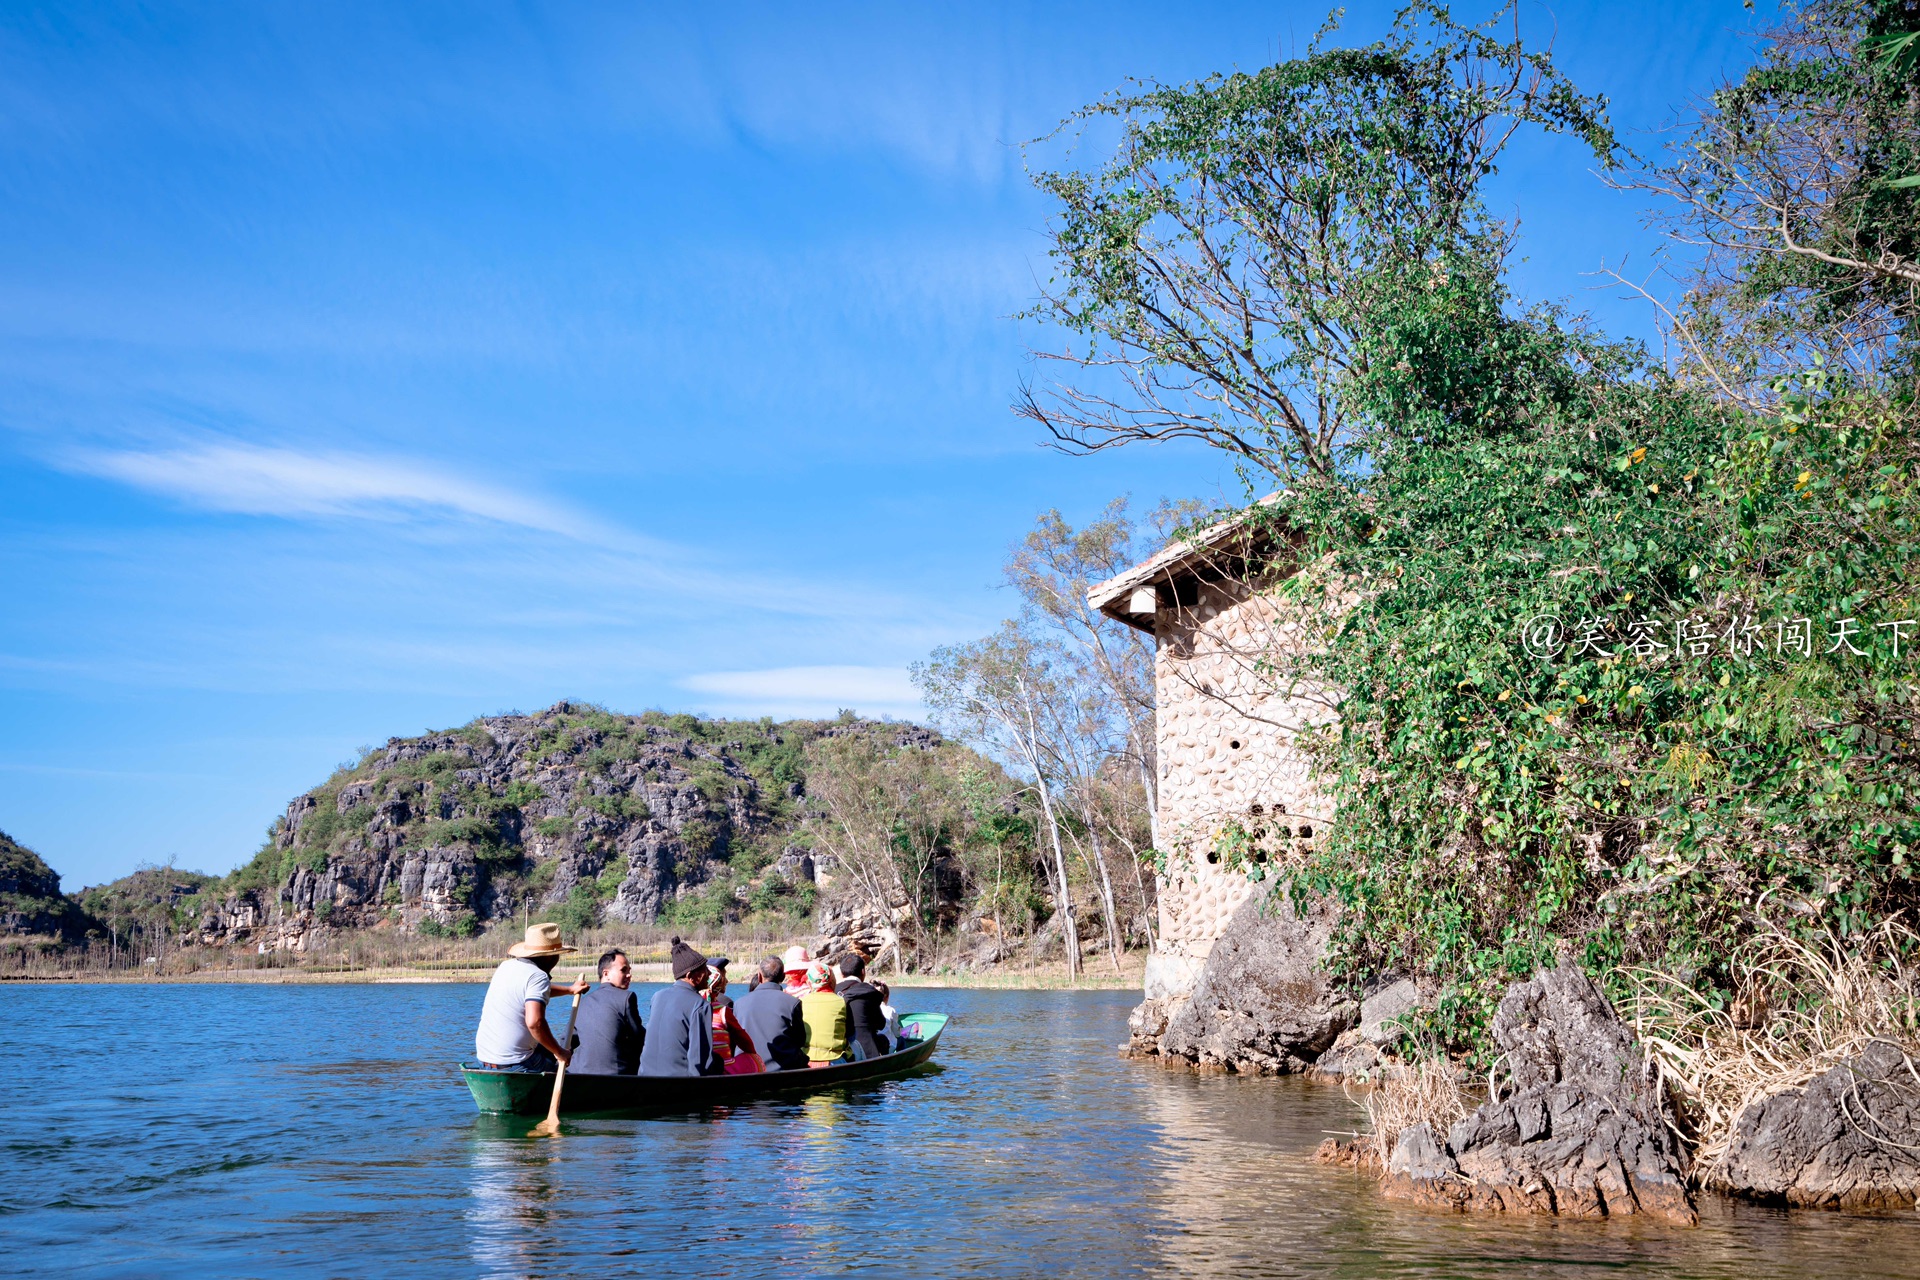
(503, 1038)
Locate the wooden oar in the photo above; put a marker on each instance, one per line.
(550, 1127)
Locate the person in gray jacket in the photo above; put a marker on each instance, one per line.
(680, 1021)
(608, 1034)
(772, 1018)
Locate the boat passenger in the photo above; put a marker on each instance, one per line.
(608, 1033)
(866, 1024)
(680, 1023)
(894, 1034)
(513, 1034)
(733, 1048)
(795, 961)
(825, 1016)
(772, 1018)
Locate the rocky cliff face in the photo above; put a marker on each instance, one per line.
(571, 808)
(32, 908)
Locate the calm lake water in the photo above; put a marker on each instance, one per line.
(321, 1131)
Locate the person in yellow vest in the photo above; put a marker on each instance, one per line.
(824, 1013)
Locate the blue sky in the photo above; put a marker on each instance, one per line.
(368, 367)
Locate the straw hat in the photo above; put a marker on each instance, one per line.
(542, 940)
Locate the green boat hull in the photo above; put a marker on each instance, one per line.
(527, 1093)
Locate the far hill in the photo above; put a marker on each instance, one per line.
(33, 911)
(574, 813)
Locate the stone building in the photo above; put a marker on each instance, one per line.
(1230, 773)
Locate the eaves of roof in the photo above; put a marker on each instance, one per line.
(1185, 557)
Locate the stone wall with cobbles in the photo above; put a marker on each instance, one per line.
(1228, 762)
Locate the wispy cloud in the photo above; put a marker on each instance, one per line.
(275, 481)
(813, 689)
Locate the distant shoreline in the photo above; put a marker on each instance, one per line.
(1037, 980)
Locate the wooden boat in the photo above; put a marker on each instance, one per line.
(527, 1093)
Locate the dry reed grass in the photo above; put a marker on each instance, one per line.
(1800, 1008)
(1428, 1090)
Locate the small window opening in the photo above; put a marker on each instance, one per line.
(1306, 833)
(1256, 809)
(1234, 745)
(1213, 855)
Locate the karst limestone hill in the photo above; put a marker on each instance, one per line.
(33, 911)
(573, 813)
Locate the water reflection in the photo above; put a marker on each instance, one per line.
(1241, 1196)
(509, 1193)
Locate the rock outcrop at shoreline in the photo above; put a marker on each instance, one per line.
(1847, 1139)
(1583, 1133)
(1263, 1004)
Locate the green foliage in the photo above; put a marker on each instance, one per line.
(775, 895)
(611, 876)
(475, 829)
(320, 826)
(1646, 806)
(625, 807)
(518, 795)
(1796, 187)
(436, 767)
(554, 827)
(1235, 254)
(700, 839)
(706, 908)
(580, 911)
(464, 924)
(476, 736)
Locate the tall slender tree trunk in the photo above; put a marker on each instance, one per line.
(1070, 930)
(1114, 944)
(1147, 908)
(1150, 787)
(1063, 892)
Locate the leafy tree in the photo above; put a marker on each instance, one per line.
(885, 814)
(1222, 277)
(1006, 692)
(1054, 567)
(1798, 189)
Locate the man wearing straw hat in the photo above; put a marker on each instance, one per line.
(513, 1033)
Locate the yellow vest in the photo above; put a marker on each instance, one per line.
(825, 1017)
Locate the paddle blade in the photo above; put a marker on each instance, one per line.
(550, 1127)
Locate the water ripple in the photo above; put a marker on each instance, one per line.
(320, 1131)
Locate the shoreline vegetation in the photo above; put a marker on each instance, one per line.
(1042, 977)
(1046, 978)
(395, 957)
